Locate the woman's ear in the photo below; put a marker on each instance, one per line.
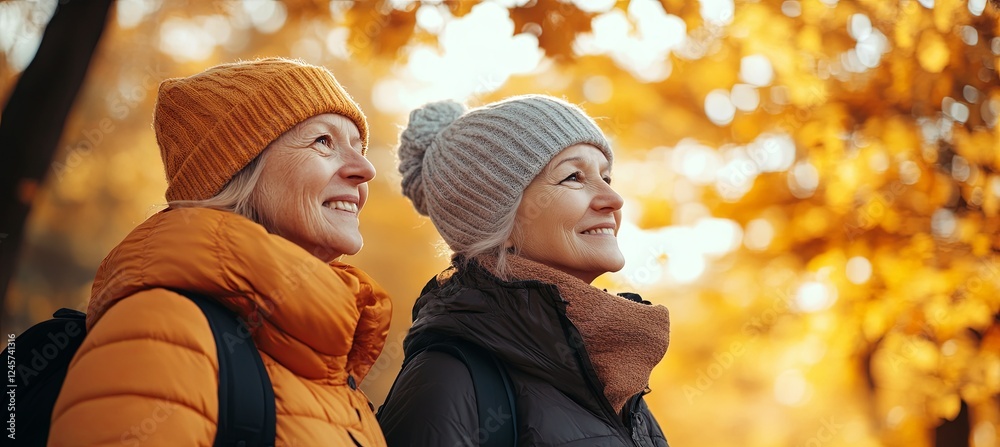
(512, 239)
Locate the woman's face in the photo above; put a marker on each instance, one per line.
(569, 216)
(313, 185)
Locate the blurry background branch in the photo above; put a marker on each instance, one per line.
(35, 113)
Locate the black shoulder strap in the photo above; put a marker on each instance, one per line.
(40, 377)
(494, 392)
(246, 398)
(496, 411)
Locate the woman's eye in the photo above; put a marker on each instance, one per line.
(325, 140)
(574, 177)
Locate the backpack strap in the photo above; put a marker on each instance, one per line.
(495, 401)
(246, 398)
(494, 392)
(40, 377)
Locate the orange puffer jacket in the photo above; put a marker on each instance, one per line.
(147, 373)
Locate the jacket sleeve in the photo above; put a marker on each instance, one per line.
(433, 403)
(146, 374)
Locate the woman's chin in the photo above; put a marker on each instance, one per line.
(335, 246)
(614, 262)
(348, 245)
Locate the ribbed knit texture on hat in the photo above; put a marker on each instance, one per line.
(465, 170)
(212, 124)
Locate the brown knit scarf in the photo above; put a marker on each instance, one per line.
(624, 339)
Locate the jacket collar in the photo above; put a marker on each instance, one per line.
(322, 321)
(523, 323)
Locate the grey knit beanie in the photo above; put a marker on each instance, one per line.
(466, 169)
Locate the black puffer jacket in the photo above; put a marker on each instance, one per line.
(560, 401)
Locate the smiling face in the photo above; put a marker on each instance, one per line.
(569, 216)
(314, 184)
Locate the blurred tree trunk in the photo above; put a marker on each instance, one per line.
(954, 433)
(33, 119)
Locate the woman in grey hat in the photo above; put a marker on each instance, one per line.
(520, 190)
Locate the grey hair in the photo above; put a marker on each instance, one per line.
(495, 247)
(237, 195)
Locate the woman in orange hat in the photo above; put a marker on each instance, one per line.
(266, 175)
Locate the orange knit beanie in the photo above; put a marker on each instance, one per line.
(212, 124)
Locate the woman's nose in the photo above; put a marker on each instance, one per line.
(607, 199)
(357, 167)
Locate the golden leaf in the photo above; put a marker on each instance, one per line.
(945, 13)
(560, 23)
(946, 406)
(932, 52)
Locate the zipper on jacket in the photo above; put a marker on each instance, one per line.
(633, 414)
(632, 404)
(573, 333)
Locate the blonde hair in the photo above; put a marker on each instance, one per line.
(238, 194)
(494, 248)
